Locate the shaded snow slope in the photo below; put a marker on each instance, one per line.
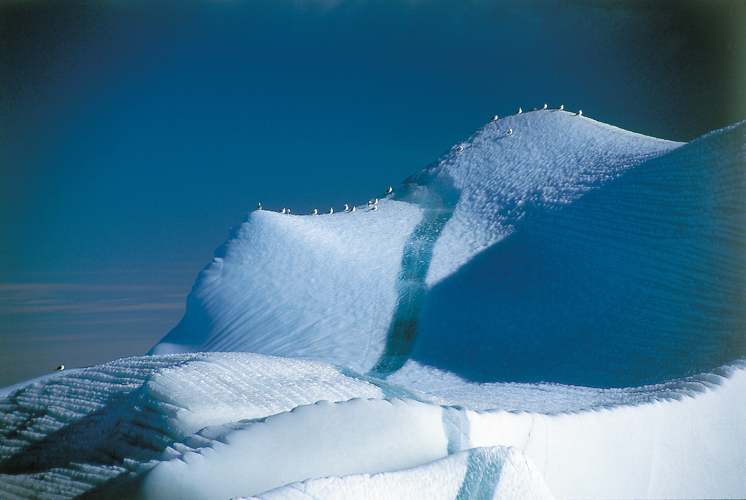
(640, 281)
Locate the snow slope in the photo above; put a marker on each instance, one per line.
(555, 310)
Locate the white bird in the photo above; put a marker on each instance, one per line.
(494, 118)
(561, 107)
(353, 209)
(373, 202)
(259, 207)
(315, 212)
(373, 208)
(331, 211)
(389, 190)
(509, 132)
(347, 208)
(283, 211)
(459, 148)
(60, 368)
(580, 112)
(545, 106)
(520, 111)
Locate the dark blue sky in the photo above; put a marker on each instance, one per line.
(134, 134)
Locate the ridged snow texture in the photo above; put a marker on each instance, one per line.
(221, 425)
(64, 435)
(569, 251)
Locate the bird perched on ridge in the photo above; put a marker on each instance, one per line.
(494, 118)
(509, 132)
(259, 206)
(346, 208)
(519, 111)
(580, 112)
(561, 107)
(544, 106)
(331, 211)
(60, 368)
(373, 202)
(389, 190)
(314, 212)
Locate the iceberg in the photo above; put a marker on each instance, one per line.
(551, 309)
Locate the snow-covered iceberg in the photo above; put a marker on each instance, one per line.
(552, 307)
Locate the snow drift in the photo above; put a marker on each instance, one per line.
(555, 306)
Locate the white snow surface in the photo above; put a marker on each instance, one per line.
(557, 311)
(497, 472)
(317, 287)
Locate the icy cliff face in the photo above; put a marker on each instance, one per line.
(547, 247)
(440, 331)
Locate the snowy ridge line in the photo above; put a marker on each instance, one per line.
(449, 390)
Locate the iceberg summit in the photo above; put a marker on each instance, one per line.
(555, 308)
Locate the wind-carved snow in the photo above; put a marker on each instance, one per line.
(440, 332)
(499, 473)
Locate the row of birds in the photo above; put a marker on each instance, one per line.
(372, 206)
(561, 107)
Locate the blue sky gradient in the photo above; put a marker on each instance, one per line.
(134, 134)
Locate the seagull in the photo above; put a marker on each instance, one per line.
(459, 148)
(389, 190)
(331, 211)
(315, 212)
(347, 208)
(545, 106)
(373, 208)
(259, 207)
(532, 109)
(373, 202)
(519, 111)
(509, 132)
(562, 106)
(580, 112)
(283, 211)
(494, 118)
(60, 368)
(352, 209)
